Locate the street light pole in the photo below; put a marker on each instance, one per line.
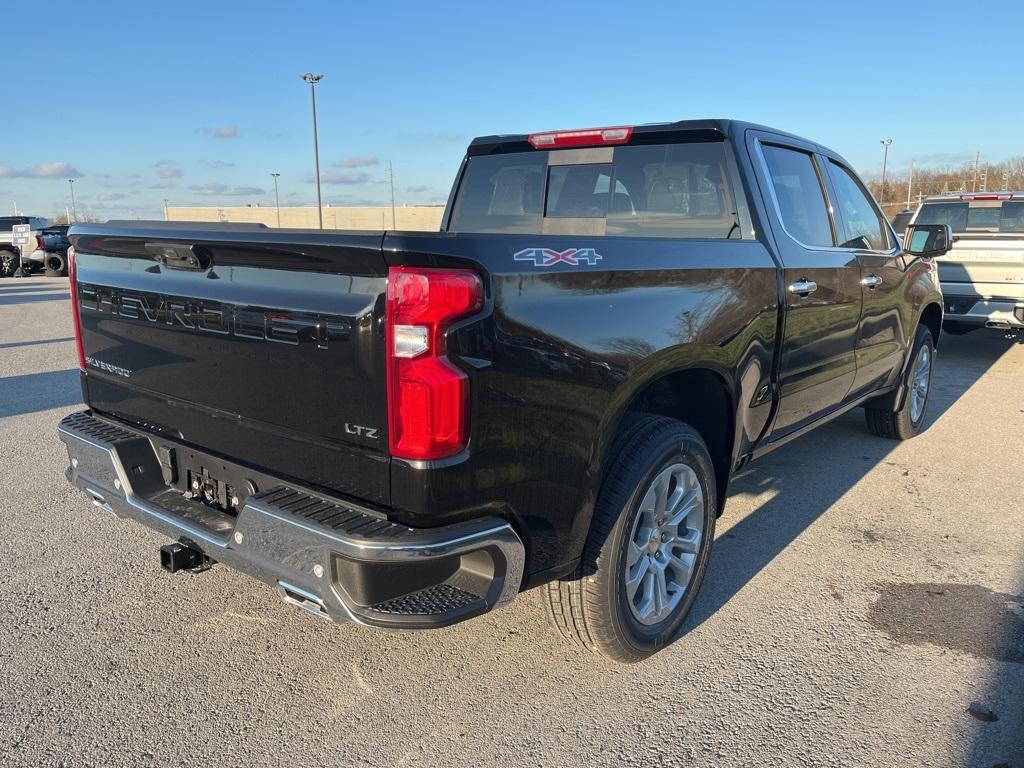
(277, 200)
(910, 182)
(885, 163)
(74, 211)
(166, 216)
(312, 79)
(391, 175)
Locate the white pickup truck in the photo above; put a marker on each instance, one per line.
(11, 253)
(983, 275)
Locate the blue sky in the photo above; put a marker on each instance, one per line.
(199, 102)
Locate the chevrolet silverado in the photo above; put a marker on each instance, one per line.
(407, 429)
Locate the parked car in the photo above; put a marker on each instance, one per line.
(50, 254)
(11, 254)
(900, 222)
(983, 275)
(407, 429)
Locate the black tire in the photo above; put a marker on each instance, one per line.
(56, 265)
(8, 263)
(902, 424)
(954, 328)
(590, 607)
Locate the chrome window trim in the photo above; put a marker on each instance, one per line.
(775, 200)
(826, 195)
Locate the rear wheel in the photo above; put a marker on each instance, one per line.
(8, 263)
(908, 419)
(56, 265)
(649, 543)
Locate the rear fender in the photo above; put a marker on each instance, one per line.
(657, 367)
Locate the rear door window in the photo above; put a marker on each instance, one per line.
(862, 224)
(798, 192)
(680, 190)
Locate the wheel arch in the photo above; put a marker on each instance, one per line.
(931, 317)
(698, 394)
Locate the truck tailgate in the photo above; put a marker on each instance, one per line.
(264, 346)
(984, 265)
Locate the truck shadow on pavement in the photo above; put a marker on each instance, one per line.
(8, 289)
(34, 392)
(9, 298)
(34, 342)
(808, 475)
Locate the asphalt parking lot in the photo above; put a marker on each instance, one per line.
(862, 594)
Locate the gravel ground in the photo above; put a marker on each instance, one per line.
(862, 594)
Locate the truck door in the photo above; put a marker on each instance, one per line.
(863, 232)
(821, 284)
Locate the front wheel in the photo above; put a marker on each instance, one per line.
(908, 420)
(649, 543)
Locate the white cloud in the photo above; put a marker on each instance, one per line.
(227, 132)
(356, 161)
(344, 177)
(59, 170)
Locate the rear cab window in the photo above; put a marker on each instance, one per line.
(677, 190)
(975, 215)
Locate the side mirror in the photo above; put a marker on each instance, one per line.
(926, 241)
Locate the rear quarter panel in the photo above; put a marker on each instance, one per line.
(560, 352)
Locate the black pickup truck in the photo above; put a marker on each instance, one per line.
(407, 429)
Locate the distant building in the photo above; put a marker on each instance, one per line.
(409, 218)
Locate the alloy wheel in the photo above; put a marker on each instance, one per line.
(666, 535)
(920, 382)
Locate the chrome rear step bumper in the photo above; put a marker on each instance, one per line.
(982, 312)
(323, 555)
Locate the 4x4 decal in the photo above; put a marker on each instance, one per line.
(547, 257)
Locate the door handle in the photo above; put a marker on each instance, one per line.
(871, 281)
(803, 287)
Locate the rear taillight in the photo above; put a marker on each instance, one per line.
(40, 245)
(428, 397)
(75, 319)
(585, 138)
